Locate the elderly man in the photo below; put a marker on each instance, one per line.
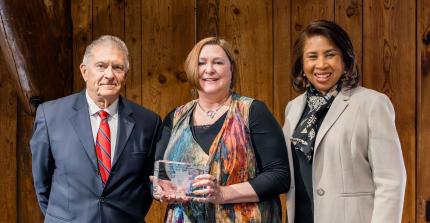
(93, 151)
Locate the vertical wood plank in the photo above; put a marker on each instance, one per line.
(133, 39)
(303, 12)
(168, 35)
(349, 15)
(108, 18)
(282, 51)
(282, 54)
(247, 25)
(82, 36)
(423, 84)
(389, 66)
(207, 18)
(8, 165)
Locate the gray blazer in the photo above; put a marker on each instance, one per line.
(68, 185)
(358, 174)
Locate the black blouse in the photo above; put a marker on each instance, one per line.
(273, 176)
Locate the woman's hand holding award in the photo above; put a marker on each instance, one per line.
(172, 181)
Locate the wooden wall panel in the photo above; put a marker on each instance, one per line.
(8, 165)
(44, 55)
(303, 12)
(168, 36)
(349, 14)
(108, 18)
(423, 86)
(207, 19)
(82, 36)
(389, 66)
(247, 25)
(282, 57)
(133, 39)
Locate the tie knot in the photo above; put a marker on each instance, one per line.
(103, 115)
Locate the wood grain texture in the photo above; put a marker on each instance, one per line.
(282, 54)
(42, 53)
(389, 66)
(247, 25)
(108, 18)
(8, 165)
(207, 18)
(349, 15)
(423, 85)
(82, 36)
(169, 34)
(133, 39)
(27, 43)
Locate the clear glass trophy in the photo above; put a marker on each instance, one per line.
(175, 178)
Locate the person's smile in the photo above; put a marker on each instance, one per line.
(322, 76)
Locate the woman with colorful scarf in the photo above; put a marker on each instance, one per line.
(235, 138)
(345, 151)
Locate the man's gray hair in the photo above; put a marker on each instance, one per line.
(117, 42)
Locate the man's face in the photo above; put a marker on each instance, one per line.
(105, 73)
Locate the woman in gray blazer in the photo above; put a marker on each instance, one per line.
(343, 144)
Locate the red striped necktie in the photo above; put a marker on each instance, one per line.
(103, 147)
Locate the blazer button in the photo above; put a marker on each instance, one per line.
(320, 192)
(101, 199)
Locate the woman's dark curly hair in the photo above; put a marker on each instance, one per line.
(337, 36)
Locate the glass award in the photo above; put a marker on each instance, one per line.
(175, 178)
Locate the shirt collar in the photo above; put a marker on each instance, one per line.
(112, 109)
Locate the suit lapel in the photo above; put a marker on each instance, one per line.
(125, 127)
(336, 109)
(295, 113)
(80, 120)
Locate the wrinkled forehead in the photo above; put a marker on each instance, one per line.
(107, 52)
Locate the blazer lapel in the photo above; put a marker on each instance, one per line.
(80, 121)
(125, 127)
(295, 113)
(336, 109)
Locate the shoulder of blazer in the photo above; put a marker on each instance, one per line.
(365, 94)
(64, 106)
(297, 101)
(132, 109)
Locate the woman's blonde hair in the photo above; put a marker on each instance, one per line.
(191, 65)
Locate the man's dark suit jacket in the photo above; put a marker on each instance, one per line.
(66, 178)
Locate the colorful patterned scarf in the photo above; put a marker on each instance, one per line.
(231, 160)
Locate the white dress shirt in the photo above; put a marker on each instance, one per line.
(112, 110)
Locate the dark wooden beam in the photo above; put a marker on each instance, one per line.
(35, 40)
